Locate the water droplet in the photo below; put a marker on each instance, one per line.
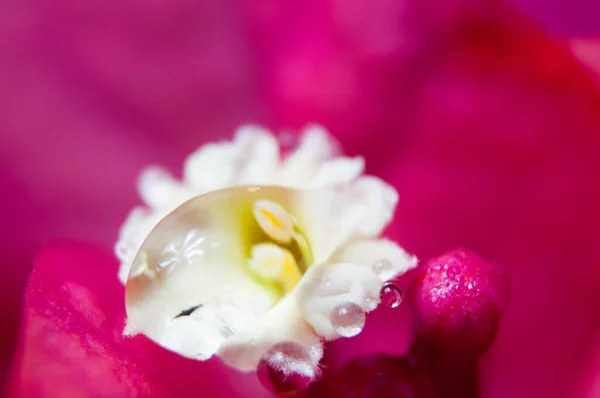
(383, 268)
(348, 319)
(390, 295)
(286, 368)
(199, 254)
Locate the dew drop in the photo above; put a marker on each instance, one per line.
(390, 295)
(348, 319)
(383, 268)
(286, 368)
(201, 254)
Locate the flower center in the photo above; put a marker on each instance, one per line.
(279, 252)
(230, 255)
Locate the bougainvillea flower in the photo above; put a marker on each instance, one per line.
(486, 127)
(268, 262)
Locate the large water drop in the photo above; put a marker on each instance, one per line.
(200, 256)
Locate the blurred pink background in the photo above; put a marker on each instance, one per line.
(91, 92)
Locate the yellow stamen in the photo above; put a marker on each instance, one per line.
(275, 263)
(274, 220)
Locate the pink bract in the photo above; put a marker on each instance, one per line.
(72, 343)
(488, 128)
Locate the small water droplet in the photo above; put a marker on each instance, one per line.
(348, 319)
(286, 368)
(383, 267)
(390, 295)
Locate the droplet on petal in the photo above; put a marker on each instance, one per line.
(214, 254)
(383, 267)
(348, 319)
(390, 295)
(286, 368)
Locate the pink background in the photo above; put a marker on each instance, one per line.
(90, 94)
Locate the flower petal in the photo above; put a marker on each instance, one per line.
(212, 166)
(330, 217)
(349, 277)
(326, 287)
(300, 166)
(260, 155)
(367, 252)
(251, 158)
(71, 342)
(338, 171)
(282, 323)
(159, 189)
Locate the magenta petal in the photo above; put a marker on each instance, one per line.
(138, 84)
(71, 343)
(491, 133)
(504, 157)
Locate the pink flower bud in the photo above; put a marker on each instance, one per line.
(459, 300)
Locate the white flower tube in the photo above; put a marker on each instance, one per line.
(286, 256)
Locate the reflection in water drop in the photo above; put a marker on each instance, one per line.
(186, 250)
(390, 295)
(286, 368)
(348, 319)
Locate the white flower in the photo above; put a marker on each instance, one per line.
(203, 285)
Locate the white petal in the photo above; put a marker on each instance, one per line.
(282, 323)
(212, 166)
(159, 189)
(367, 252)
(338, 171)
(200, 334)
(130, 329)
(300, 167)
(348, 277)
(260, 153)
(192, 337)
(331, 217)
(325, 287)
(251, 158)
(138, 225)
(380, 199)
